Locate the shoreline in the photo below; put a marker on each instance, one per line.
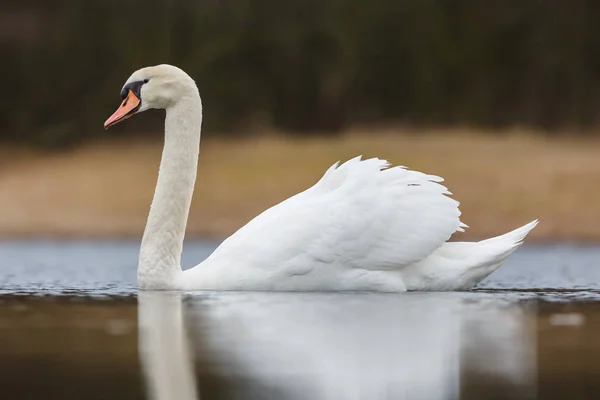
(103, 190)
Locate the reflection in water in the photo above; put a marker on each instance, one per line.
(336, 346)
(498, 351)
(164, 351)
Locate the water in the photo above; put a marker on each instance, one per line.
(72, 326)
(109, 267)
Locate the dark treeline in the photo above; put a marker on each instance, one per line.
(303, 65)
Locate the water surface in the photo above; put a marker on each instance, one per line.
(72, 326)
(109, 267)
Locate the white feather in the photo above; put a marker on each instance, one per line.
(361, 227)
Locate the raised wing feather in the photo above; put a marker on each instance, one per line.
(361, 214)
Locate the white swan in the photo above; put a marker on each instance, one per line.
(363, 226)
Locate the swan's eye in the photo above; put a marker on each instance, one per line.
(146, 80)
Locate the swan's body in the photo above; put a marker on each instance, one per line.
(363, 226)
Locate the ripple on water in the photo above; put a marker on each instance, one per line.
(560, 272)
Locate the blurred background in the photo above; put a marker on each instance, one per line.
(499, 97)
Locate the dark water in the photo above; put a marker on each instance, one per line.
(72, 326)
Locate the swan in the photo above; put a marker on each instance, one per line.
(364, 226)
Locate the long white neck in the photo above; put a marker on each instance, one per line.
(160, 253)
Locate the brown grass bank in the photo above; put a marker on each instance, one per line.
(502, 181)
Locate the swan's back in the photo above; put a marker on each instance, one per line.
(361, 215)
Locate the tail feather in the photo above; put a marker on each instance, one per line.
(495, 250)
(462, 265)
(514, 237)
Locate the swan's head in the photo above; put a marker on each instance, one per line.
(160, 86)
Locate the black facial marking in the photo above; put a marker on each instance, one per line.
(135, 87)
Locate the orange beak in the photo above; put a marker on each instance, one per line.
(129, 106)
